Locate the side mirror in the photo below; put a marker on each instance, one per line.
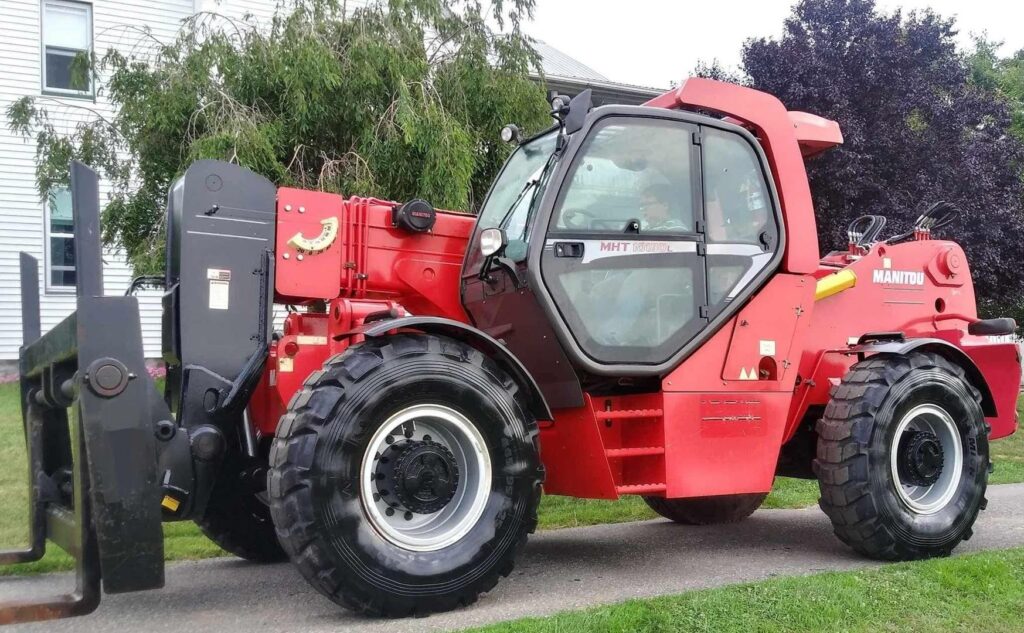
(579, 108)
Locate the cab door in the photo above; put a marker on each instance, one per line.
(624, 257)
(661, 227)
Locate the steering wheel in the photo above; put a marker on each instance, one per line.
(582, 220)
(577, 219)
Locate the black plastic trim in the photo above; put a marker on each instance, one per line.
(473, 337)
(993, 327)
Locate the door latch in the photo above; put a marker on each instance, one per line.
(569, 249)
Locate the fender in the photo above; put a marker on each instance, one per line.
(471, 336)
(947, 350)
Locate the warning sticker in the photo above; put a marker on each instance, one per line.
(219, 291)
(220, 281)
(767, 348)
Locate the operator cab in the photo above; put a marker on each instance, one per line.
(633, 232)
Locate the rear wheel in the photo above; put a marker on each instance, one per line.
(406, 476)
(707, 510)
(903, 457)
(237, 517)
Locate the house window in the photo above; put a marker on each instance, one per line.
(67, 33)
(60, 241)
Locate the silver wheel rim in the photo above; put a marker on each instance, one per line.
(437, 530)
(937, 421)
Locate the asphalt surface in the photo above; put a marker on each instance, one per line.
(560, 570)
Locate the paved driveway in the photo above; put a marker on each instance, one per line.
(562, 569)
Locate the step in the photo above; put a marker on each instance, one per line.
(640, 451)
(640, 489)
(627, 414)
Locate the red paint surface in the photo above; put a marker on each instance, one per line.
(370, 258)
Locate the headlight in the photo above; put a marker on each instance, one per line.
(491, 241)
(510, 134)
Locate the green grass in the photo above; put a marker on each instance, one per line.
(1008, 456)
(183, 540)
(561, 512)
(978, 592)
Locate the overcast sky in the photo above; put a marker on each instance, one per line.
(653, 42)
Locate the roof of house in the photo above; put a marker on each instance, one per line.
(567, 74)
(558, 64)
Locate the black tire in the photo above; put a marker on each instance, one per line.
(856, 440)
(237, 520)
(707, 510)
(315, 489)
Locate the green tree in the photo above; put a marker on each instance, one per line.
(397, 99)
(1003, 75)
(919, 126)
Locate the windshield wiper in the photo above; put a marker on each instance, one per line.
(515, 203)
(541, 178)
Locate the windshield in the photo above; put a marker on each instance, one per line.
(508, 205)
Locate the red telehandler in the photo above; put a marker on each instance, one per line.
(640, 308)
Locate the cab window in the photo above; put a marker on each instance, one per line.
(631, 176)
(742, 232)
(736, 196)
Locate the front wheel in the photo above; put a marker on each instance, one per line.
(406, 476)
(903, 457)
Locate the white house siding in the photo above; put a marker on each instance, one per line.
(116, 24)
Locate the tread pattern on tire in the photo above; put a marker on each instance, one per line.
(292, 454)
(844, 436)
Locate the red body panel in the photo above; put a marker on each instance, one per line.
(928, 293)
(722, 416)
(369, 258)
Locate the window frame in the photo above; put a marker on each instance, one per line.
(89, 92)
(48, 267)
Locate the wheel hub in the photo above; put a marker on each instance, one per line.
(420, 476)
(920, 458)
(425, 478)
